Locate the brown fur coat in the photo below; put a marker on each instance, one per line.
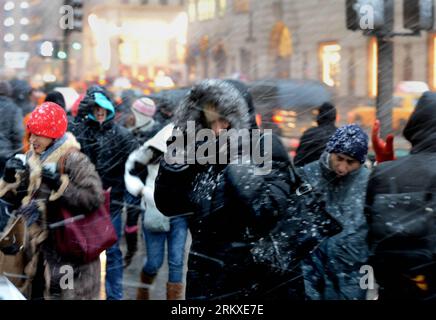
(81, 192)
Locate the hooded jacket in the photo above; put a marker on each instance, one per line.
(107, 145)
(11, 128)
(227, 205)
(332, 271)
(400, 201)
(142, 181)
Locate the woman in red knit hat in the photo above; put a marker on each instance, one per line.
(36, 188)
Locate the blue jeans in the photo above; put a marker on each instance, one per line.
(155, 244)
(114, 262)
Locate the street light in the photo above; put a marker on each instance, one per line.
(76, 46)
(24, 21)
(24, 5)
(10, 5)
(24, 37)
(9, 22)
(62, 55)
(9, 37)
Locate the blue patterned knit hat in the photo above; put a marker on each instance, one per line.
(350, 140)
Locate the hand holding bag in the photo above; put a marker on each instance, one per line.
(12, 255)
(305, 224)
(82, 238)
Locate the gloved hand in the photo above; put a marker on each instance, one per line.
(51, 179)
(384, 150)
(131, 234)
(11, 167)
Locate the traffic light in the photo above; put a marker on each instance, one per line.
(418, 14)
(51, 49)
(369, 15)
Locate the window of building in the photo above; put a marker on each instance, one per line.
(192, 10)
(163, 2)
(245, 58)
(222, 6)
(330, 59)
(432, 61)
(206, 9)
(241, 6)
(220, 57)
(281, 48)
(408, 63)
(351, 70)
(372, 67)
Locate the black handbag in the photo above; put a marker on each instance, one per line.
(303, 226)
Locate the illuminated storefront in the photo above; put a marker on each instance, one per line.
(137, 44)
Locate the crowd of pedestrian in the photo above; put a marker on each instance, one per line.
(128, 158)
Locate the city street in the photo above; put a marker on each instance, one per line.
(293, 140)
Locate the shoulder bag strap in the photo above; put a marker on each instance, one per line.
(63, 159)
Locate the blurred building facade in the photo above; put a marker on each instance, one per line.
(257, 39)
(119, 38)
(137, 40)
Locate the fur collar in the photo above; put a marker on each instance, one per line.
(36, 165)
(229, 101)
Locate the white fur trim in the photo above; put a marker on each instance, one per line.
(134, 185)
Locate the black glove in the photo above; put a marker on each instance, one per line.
(11, 167)
(51, 179)
(132, 247)
(140, 170)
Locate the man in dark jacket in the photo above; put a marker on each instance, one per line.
(228, 205)
(400, 208)
(314, 140)
(332, 271)
(21, 91)
(11, 125)
(108, 146)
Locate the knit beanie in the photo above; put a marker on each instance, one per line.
(144, 110)
(350, 140)
(48, 120)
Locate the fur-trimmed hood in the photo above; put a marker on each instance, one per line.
(229, 102)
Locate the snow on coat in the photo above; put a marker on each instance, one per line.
(230, 206)
(335, 265)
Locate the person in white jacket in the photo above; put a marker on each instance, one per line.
(141, 170)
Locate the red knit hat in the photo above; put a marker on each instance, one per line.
(48, 120)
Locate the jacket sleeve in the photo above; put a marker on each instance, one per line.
(265, 194)
(136, 169)
(84, 192)
(302, 149)
(172, 187)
